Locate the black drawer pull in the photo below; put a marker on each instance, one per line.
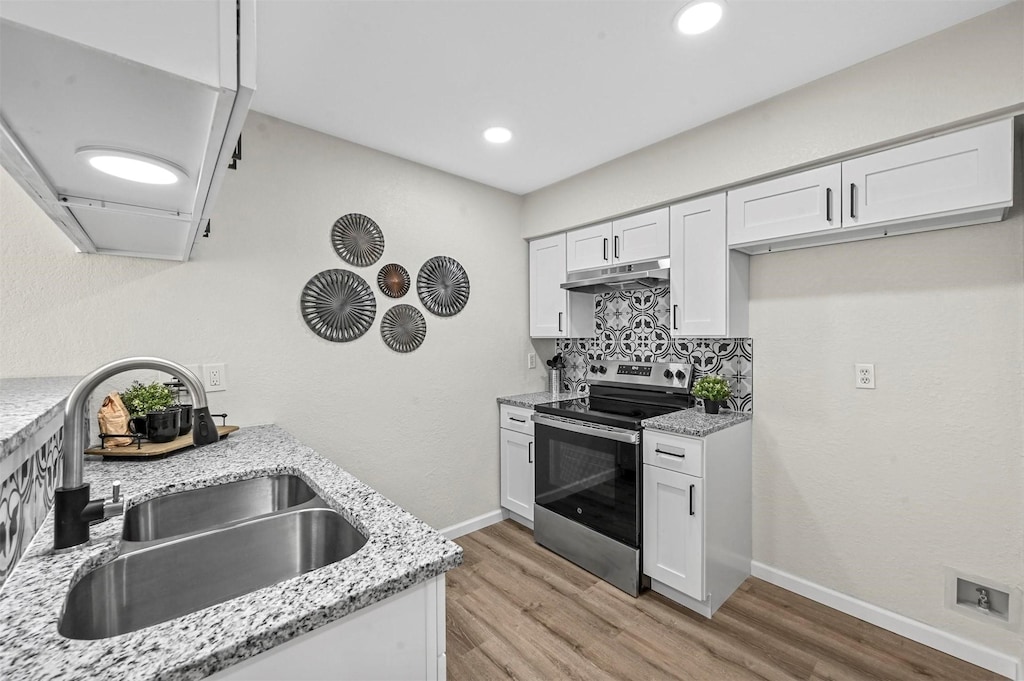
(513, 418)
(658, 451)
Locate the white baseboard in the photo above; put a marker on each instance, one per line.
(966, 650)
(472, 525)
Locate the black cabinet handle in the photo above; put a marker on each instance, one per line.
(853, 200)
(681, 456)
(616, 247)
(529, 449)
(513, 418)
(828, 204)
(691, 500)
(606, 248)
(559, 321)
(674, 309)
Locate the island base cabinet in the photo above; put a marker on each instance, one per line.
(401, 637)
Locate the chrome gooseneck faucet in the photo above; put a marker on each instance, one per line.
(73, 510)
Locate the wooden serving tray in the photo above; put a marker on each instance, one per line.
(152, 449)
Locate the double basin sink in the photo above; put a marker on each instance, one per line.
(189, 550)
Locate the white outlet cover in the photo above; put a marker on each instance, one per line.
(864, 375)
(208, 371)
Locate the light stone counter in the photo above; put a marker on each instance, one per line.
(531, 400)
(26, 404)
(401, 551)
(695, 423)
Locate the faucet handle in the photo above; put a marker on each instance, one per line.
(115, 495)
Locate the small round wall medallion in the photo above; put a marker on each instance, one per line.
(357, 240)
(393, 280)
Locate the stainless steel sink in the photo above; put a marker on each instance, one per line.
(178, 577)
(207, 507)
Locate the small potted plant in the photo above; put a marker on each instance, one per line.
(142, 400)
(714, 390)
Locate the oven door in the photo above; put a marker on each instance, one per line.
(589, 473)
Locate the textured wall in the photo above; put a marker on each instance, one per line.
(873, 492)
(420, 427)
(967, 70)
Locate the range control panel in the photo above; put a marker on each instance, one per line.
(677, 375)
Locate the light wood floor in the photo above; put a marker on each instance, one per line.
(516, 610)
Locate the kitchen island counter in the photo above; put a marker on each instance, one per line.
(401, 552)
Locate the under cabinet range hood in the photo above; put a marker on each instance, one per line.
(619, 278)
(163, 85)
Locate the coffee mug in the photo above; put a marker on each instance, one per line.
(186, 419)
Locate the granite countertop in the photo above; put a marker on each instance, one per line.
(401, 551)
(695, 423)
(531, 400)
(26, 404)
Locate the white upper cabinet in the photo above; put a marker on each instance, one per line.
(631, 239)
(554, 312)
(589, 247)
(971, 169)
(709, 283)
(961, 178)
(160, 79)
(640, 237)
(802, 203)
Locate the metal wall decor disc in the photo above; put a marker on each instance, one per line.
(403, 328)
(443, 286)
(393, 280)
(338, 305)
(357, 239)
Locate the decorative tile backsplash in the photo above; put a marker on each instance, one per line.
(25, 497)
(634, 326)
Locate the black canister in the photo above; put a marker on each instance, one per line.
(162, 426)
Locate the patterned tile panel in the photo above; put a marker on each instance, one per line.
(634, 326)
(25, 497)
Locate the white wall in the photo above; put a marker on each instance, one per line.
(870, 493)
(967, 70)
(420, 427)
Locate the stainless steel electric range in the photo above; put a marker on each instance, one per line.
(588, 468)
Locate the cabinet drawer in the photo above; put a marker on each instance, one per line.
(674, 453)
(516, 418)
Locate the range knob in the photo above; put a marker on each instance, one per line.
(668, 374)
(603, 369)
(681, 375)
(593, 368)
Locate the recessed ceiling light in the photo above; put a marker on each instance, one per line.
(132, 165)
(698, 17)
(497, 135)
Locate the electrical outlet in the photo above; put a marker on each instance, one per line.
(865, 376)
(531, 360)
(215, 378)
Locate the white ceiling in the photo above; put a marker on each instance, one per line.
(578, 82)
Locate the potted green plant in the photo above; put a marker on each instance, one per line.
(714, 390)
(141, 399)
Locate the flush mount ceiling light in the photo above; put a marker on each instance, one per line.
(698, 17)
(497, 135)
(132, 165)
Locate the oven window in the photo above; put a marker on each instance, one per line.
(589, 479)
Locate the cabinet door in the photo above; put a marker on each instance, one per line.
(640, 237)
(588, 247)
(959, 171)
(673, 539)
(796, 204)
(517, 472)
(547, 297)
(700, 268)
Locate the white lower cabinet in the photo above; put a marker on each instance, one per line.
(401, 637)
(697, 515)
(674, 529)
(516, 451)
